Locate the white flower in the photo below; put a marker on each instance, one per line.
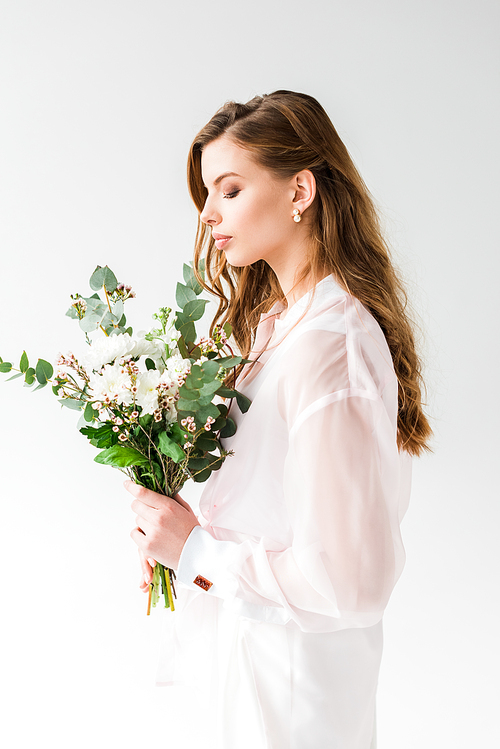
(147, 393)
(107, 349)
(113, 384)
(178, 367)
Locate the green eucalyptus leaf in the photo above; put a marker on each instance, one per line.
(72, 403)
(190, 395)
(206, 442)
(230, 361)
(204, 412)
(187, 405)
(90, 323)
(103, 276)
(44, 371)
(150, 364)
(194, 310)
(186, 329)
(24, 363)
(72, 313)
(88, 414)
(5, 366)
(210, 370)
(227, 328)
(118, 309)
(229, 429)
(170, 448)
(121, 457)
(38, 387)
(243, 402)
(29, 376)
(190, 279)
(184, 295)
(181, 345)
(226, 392)
(14, 377)
(209, 389)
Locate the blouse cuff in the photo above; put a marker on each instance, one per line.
(204, 563)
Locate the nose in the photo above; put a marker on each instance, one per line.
(209, 215)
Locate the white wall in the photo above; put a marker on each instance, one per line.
(99, 102)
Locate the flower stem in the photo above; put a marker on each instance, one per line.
(149, 600)
(169, 590)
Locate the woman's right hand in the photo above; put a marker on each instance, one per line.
(147, 571)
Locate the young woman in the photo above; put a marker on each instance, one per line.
(288, 570)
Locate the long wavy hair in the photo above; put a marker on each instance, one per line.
(287, 132)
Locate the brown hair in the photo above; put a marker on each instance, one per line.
(288, 132)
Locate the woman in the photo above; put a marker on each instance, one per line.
(288, 574)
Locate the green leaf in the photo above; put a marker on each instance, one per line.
(181, 345)
(184, 295)
(43, 371)
(14, 377)
(40, 386)
(206, 442)
(121, 456)
(103, 276)
(90, 323)
(72, 313)
(186, 329)
(209, 389)
(89, 412)
(24, 364)
(170, 448)
(72, 403)
(227, 328)
(243, 402)
(210, 370)
(226, 392)
(204, 412)
(190, 279)
(198, 464)
(176, 433)
(29, 377)
(194, 310)
(146, 421)
(187, 405)
(150, 364)
(5, 366)
(118, 310)
(230, 361)
(229, 429)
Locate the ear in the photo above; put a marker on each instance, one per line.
(304, 190)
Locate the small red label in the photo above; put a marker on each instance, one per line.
(203, 582)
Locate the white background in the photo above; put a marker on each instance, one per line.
(100, 100)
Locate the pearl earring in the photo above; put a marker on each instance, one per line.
(296, 215)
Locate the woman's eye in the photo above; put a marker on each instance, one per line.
(232, 194)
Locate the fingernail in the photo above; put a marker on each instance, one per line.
(151, 562)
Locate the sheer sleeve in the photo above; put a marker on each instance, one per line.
(343, 481)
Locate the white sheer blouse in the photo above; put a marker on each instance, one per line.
(299, 536)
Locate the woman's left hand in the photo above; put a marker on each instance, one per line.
(163, 524)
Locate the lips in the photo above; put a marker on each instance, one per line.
(221, 240)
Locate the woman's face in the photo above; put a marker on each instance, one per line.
(248, 209)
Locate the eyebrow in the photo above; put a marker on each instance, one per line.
(225, 174)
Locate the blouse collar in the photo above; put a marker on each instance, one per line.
(325, 289)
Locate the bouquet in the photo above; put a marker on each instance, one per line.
(152, 403)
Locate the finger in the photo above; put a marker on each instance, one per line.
(144, 511)
(182, 502)
(143, 525)
(138, 537)
(144, 495)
